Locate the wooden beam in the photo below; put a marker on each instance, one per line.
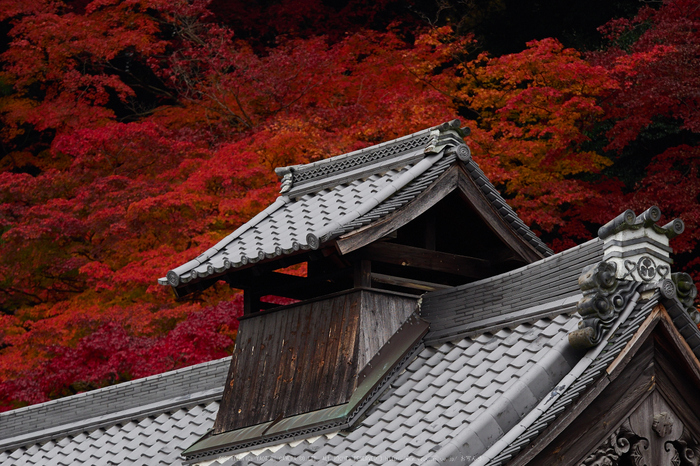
(453, 178)
(407, 282)
(430, 231)
(409, 256)
(251, 301)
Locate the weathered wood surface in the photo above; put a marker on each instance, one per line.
(381, 317)
(306, 357)
(362, 277)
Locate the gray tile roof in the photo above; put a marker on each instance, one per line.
(545, 287)
(446, 406)
(616, 342)
(464, 390)
(471, 387)
(153, 440)
(289, 225)
(155, 416)
(341, 194)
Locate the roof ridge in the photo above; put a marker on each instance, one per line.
(307, 173)
(106, 401)
(299, 179)
(510, 319)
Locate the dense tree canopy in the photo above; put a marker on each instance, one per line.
(136, 133)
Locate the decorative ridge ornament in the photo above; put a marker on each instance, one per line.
(638, 246)
(604, 298)
(285, 174)
(448, 134)
(314, 176)
(628, 220)
(636, 256)
(686, 292)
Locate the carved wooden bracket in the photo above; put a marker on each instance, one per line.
(652, 436)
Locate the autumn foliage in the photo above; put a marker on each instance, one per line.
(137, 133)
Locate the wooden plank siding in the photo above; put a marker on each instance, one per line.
(381, 317)
(306, 357)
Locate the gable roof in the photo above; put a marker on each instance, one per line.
(336, 197)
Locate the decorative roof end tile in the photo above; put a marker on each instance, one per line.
(286, 178)
(604, 298)
(449, 135)
(636, 256)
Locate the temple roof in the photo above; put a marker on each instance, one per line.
(483, 373)
(333, 198)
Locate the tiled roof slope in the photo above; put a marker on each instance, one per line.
(144, 414)
(325, 199)
(549, 286)
(611, 350)
(285, 226)
(153, 440)
(469, 385)
(616, 342)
